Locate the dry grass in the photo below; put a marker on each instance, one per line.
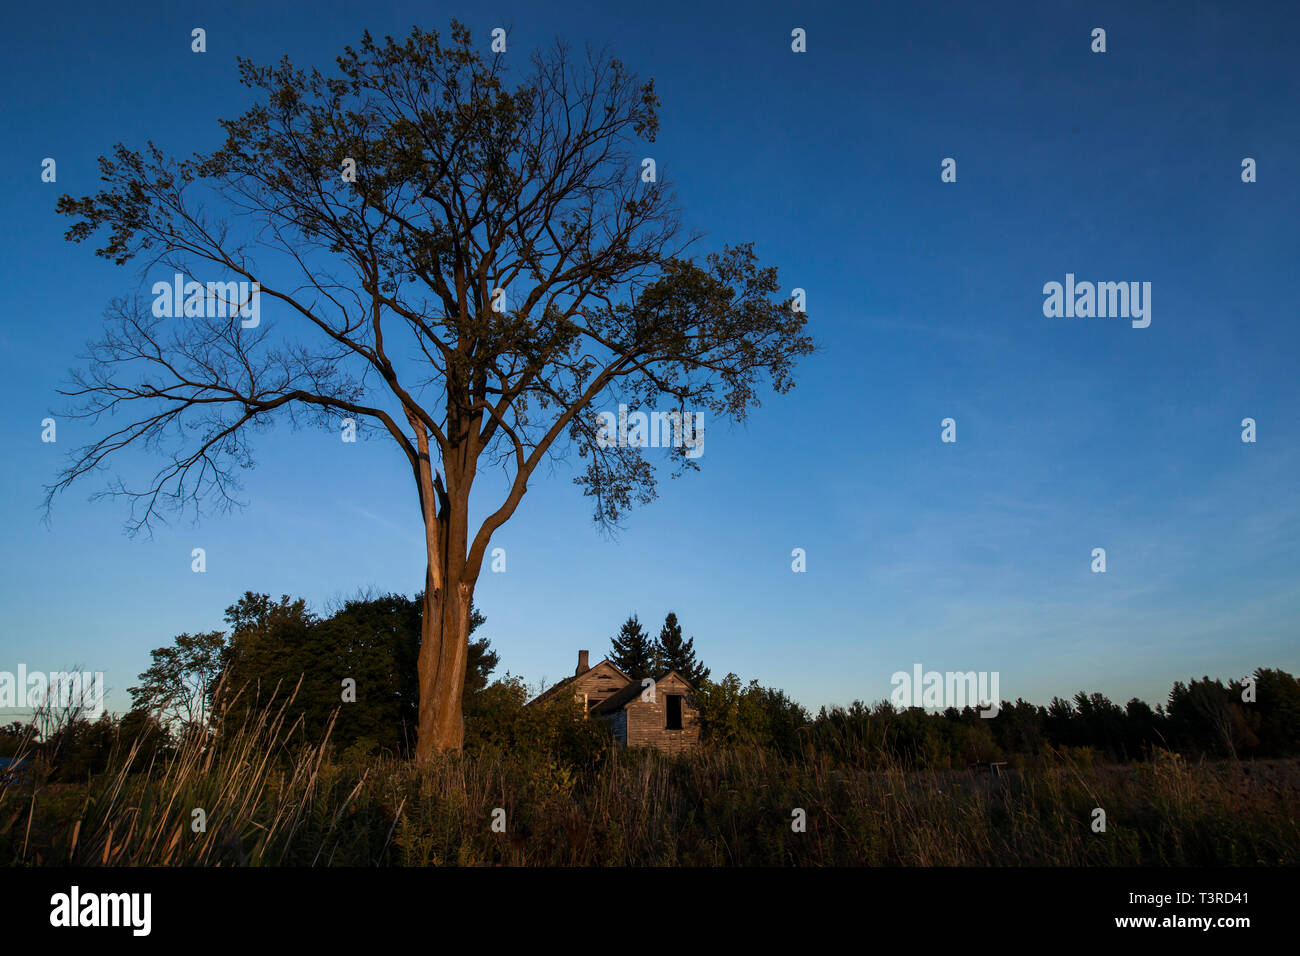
(270, 801)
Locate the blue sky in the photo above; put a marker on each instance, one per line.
(926, 298)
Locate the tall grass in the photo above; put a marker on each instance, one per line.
(269, 798)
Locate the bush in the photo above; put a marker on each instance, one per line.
(499, 721)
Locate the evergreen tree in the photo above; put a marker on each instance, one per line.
(632, 651)
(674, 654)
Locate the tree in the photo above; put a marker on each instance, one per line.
(1018, 727)
(177, 687)
(1143, 727)
(269, 651)
(481, 660)
(1277, 696)
(674, 654)
(1061, 724)
(279, 649)
(468, 269)
(1101, 723)
(1206, 716)
(632, 651)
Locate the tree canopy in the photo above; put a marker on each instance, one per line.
(466, 267)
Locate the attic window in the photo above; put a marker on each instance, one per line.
(674, 712)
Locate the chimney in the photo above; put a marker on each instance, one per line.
(582, 664)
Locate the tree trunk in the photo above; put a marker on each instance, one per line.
(444, 624)
(448, 597)
(444, 649)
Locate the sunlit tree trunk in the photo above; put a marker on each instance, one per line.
(448, 596)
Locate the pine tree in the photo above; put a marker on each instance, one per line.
(674, 654)
(632, 651)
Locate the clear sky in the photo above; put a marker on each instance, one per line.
(926, 299)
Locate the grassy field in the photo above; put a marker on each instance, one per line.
(264, 801)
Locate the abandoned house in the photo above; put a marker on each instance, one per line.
(660, 716)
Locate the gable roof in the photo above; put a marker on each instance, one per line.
(555, 689)
(630, 693)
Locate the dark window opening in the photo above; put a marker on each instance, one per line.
(674, 711)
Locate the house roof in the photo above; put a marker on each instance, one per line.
(630, 693)
(556, 688)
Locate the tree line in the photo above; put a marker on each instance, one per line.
(1257, 716)
(352, 674)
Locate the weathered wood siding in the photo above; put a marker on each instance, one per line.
(598, 683)
(647, 721)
